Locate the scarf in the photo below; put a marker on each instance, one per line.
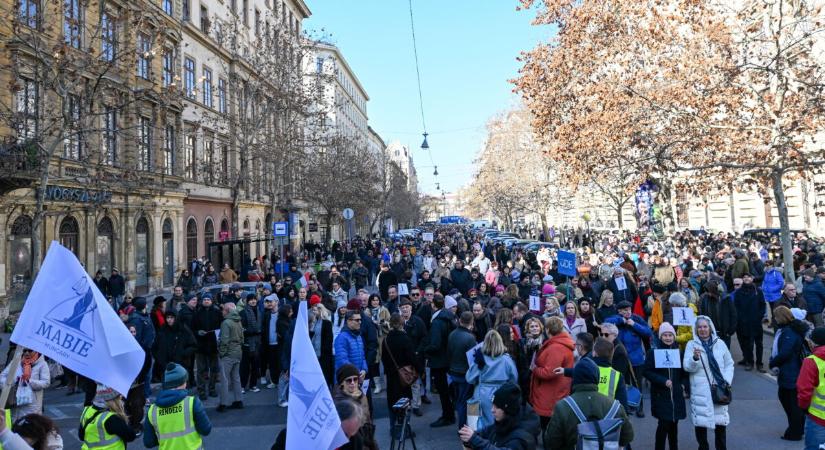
(26, 363)
(316, 337)
(712, 364)
(532, 344)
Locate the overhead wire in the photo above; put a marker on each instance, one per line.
(418, 78)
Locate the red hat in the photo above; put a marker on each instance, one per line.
(314, 300)
(354, 305)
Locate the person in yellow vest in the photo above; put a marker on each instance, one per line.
(810, 391)
(611, 383)
(176, 421)
(103, 425)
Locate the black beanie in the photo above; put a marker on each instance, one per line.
(346, 371)
(586, 372)
(818, 336)
(508, 399)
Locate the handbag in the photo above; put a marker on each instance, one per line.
(407, 374)
(721, 394)
(634, 395)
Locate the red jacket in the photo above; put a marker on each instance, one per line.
(807, 383)
(547, 388)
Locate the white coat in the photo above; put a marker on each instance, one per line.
(579, 326)
(39, 381)
(703, 413)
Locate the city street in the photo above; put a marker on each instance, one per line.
(757, 420)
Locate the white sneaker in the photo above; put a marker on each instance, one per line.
(377, 390)
(255, 389)
(271, 386)
(283, 404)
(243, 391)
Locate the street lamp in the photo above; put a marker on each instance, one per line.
(425, 145)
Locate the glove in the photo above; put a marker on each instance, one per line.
(478, 357)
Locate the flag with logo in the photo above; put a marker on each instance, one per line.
(67, 319)
(312, 420)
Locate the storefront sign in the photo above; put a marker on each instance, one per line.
(65, 194)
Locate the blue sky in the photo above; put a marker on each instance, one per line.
(467, 51)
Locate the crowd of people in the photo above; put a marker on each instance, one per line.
(519, 354)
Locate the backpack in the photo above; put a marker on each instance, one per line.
(602, 434)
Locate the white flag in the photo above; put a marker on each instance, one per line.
(67, 319)
(312, 420)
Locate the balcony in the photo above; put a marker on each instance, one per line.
(19, 164)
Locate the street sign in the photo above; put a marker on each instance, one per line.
(567, 263)
(280, 229)
(348, 213)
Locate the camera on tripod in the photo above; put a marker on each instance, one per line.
(401, 406)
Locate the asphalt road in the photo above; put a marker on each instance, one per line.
(757, 419)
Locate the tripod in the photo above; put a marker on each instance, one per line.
(401, 430)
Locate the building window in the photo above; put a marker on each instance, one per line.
(110, 136)
(108, 37)
(221, 96)
(185, 12)
(207, 87)
(189, 77)
(208, 160)
(144, 156)
(224, 164)
(189, 156)
(27, 102)
(319, 64)
(191, 239)
(233, 5)
(20, 258)
(29, 12)
(168, 7)
(144, 49)
(169, 151)
(208, 235)
(72, 141)
(168, 67)
(204, 20)
(68, 234)
(105, 246)
(682, 206)
(257, 23)
(245, 12)
(72, 23)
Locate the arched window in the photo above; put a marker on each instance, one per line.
(20, 251)
(246, 231)
(104, 246)
(68, 234)
(191, 239)
(168, 253)
(142, 256)
(208, 235)
(224, 230)
(258, 236)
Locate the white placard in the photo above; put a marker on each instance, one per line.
(470, 352)
(683, 316)
(621, 283)
(667, 358)
(403, 289)
(365, 386)
(427, 237)
(535, 304)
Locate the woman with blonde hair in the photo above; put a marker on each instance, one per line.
(530, 344)
(551, 308)
(606, 307)
(492, 367)
(106, 415)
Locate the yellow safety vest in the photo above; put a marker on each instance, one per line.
(817, 408)
(9, 423)
(608, 382)
(95, 435)
(175, 425)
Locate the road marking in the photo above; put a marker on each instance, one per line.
(55, 413)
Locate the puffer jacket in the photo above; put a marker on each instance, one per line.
(231, 341)
(703, 413)
(546, 387)
(487, 380)
(349, 349)
(772, 284)
(814, 293)
(788, 342)
(633, 338)
(251, 320)
(40, 379)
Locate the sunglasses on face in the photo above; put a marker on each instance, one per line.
(606, 335)
(351, 380)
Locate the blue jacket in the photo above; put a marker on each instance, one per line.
(369, 334)
(144, 330)
(633, 337)
(789, 355)
(772, 285)
(349, 349)
(172, 397)
(814, 293)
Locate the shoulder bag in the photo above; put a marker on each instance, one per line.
(407, 374)
(720, 390)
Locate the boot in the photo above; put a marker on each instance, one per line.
(378, 388)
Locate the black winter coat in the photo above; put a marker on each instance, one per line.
(721, 311)
(251, 320)
(186, 316)
(207, 320)
(483, 324)
(520, 435)
(436, 346)
(789, 353)
(117, 285)
(417, 332)
(460, 341)
(461, 280)
(666, 404)
(750, 309)
(400, 346)
(174, 344)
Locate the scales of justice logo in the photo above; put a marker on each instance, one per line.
(71, 324)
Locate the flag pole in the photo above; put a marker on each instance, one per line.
(11, 378)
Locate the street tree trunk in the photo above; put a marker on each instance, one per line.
(619, 215)
(784, 225)
(544, 230)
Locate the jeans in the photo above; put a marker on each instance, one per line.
(440, 380)
(795, 415)
(462, 391)
(230, 374)
(416, 394)
(208, 372)
(283, 388)
(719, 438)
(814, 435)
(747, 343)
(117, 300)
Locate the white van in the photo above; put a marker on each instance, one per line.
(481, 224)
